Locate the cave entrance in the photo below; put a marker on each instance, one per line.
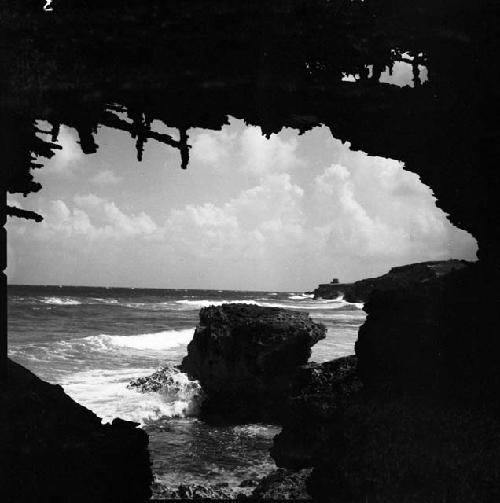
(108, 287)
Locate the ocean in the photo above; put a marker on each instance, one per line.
(93, 341)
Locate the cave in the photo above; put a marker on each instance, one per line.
(427, 358)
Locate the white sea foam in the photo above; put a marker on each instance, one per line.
(195, 304)
(356, 316)
(105, 301)
(157, 340)
(61, 301)
(302, 296)
(306, 303)
(105, 392)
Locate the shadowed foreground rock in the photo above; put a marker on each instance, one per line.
(53, 449)
(415, 417)
(246, 357)
(283, 485)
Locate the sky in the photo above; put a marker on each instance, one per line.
(249, 213)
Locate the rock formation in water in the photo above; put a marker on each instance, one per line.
(53, 449)
(184, 394)
(403, 276)
(417, 418)
(246, 356)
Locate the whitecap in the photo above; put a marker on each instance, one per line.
(302, 296)
(156, 340)
(61, 301)
(195, 304)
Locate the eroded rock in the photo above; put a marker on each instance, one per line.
(283, 485)
(246, 356)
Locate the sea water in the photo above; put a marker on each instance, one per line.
(94, 341)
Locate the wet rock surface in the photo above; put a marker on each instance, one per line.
(53, 449)
(219, 491)
(246, 357)
(283, 484)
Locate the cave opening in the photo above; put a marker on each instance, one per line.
(106, 290)
(414, 416)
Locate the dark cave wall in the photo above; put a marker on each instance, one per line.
(275, 65)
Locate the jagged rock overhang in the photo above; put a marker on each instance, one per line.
(278, 64)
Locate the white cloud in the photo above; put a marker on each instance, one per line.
(263, 156)
(66, 160)
(212, 147)
(245, 149)
(91, 218)
(105, 177)
(88, 201)
(383, 213)
(346, 214)
(402, 74)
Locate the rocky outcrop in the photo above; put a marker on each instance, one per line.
(220, 491)
(245, 357)
(398, 277)
(417, 418)
(185, 395)
(283, 485)
(332, 290)
(53, 449)
(435, 336)
(316, 413)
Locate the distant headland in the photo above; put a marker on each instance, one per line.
(406, 275)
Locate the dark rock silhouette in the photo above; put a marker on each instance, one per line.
(53, 449)
(246, 356)
(404, 276)
(316, 413)
(416, 418)
(435, 337)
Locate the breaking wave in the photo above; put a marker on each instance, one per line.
(60, 301)
(105, 392)
(156, 340)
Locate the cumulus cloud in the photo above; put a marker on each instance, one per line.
(212, 147)
(246, 150)
(66, 160)
(262, 155)
(402, 74)
(105, 177)
(90, 218)
(347, 215)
